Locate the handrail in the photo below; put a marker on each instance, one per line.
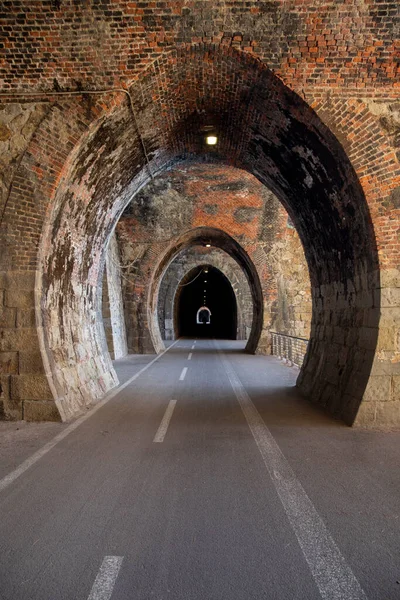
(293, 337)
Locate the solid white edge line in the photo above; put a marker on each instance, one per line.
(183, 374)
(190, 356)
(29, 462)
(106, 577)
(332, 575)
(162, 430)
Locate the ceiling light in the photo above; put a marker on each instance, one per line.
(211, 140)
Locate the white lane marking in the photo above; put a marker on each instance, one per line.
(106, 577)
(162, 430)
(29, 462)
(333, 576)
(190, 356)
(192, 348)
(183, 374)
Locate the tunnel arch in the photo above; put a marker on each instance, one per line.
(188, 260)
(217, 238)
(263, 127)
(203, 318)
(221, 307)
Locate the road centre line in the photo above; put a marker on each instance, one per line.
(29, 462)
(106, 577)
(190, 356)
(162, 430)
(332, 574)
(183, 374)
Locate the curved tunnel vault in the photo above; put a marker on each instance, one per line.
(192, 258)
(205, 289)
(263, 127)
(215, 238)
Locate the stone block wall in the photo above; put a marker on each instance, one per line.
(114, 324)
(187, 261)
(24, 389)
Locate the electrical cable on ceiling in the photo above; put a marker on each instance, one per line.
(83, 93)
(194, 279)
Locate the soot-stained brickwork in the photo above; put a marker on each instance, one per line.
(54, 43)
(303, 95)
(179, 201)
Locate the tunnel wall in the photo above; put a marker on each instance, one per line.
(355, 99)
(198, 195)
(184, 263)
(112, 303)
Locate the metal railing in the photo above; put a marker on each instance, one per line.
(289, 348)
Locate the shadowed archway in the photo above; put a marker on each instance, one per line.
(263, 127)
(205, 305)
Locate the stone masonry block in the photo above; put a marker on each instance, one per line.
(17, 281)
(5, 386)
(26, 317)
(7, 316)
(15, 339)
(9, 362)
(388, 414)
(366, 415)
(30, 387)
(12, 408)
(387, 339)
(30, 362)
(390, 278)
(378, 389)
(396, 388)
(368, 337)
(20, 298)
(388, 297)
(35, 410)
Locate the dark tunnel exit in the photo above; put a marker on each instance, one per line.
(204, 288)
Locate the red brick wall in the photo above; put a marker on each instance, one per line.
(190, 65)
(307, 42)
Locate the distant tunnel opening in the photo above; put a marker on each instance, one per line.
(201, 289)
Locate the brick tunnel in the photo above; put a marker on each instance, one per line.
(199, 299)
(89, 162)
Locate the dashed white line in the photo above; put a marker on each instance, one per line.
(192, 348)
(332, 574)
(29, 462)
(106, 577)
(183, 374)
(162, 430)
(190, 356)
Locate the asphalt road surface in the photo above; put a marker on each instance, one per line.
(206, 477)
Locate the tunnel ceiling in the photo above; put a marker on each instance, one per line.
(264, 128)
